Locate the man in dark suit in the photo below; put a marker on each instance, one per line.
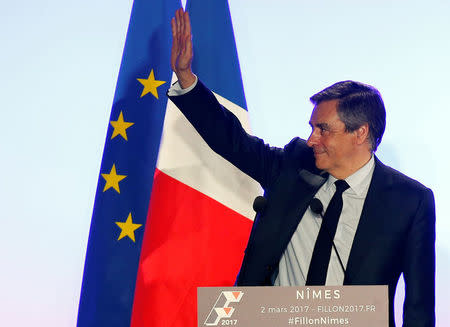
(382, 222)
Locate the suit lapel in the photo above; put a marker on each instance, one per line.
(313, 180)
(373, 210)
(296, 202)
(306, 187)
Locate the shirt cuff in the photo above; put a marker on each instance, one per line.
(176, 90)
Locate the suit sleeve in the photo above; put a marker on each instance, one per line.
(223, 132)
(419, 269)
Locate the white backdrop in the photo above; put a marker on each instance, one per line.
(59, 64)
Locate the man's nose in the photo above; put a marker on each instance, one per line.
(313, 139)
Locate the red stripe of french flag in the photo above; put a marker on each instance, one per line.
(198, 223)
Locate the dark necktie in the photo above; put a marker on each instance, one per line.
(317, 273)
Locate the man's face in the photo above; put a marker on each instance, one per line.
(334, 148)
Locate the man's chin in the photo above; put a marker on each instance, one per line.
(320, 164)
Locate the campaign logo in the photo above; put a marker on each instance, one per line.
(221, 308)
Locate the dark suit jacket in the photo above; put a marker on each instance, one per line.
(396, 232)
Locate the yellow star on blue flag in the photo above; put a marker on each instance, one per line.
(120, 127)
(127, 228)
(150, 85)
(112, 179)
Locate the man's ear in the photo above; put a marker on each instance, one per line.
(362, 134)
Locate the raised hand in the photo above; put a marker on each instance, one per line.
(182, 53)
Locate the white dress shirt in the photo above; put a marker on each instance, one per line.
(294, 263)
(176, 89)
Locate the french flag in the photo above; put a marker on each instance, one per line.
(182, 216)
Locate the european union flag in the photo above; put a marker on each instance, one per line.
(126, 174)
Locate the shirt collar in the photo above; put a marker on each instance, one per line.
(359, 181)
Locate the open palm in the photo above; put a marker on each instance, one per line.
(182, 53)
